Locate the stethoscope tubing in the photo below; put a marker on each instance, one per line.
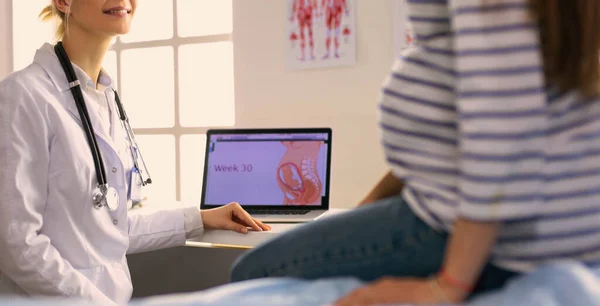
(75, 88)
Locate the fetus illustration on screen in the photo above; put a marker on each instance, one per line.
(333, 21)
(297, 173)
(302, 12)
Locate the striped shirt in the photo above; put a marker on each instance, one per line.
(470, 126)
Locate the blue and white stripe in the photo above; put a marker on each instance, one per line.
(469, 124)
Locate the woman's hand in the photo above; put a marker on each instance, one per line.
(231, 217)
(400, 291)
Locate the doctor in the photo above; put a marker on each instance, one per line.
(66, 178)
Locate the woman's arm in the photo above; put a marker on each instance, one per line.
(501, 116)
(499, 83)
(467, 253)
(388, 186)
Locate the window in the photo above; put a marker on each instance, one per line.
(174, 72)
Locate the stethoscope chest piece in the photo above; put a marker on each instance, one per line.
(106, 196)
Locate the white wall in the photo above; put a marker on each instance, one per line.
(342, 98)
(268, 96)
(5, 37)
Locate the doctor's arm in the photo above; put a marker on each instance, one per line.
(163, 229)
(27, 257)
(170, 228)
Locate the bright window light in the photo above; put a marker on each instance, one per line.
(159, 153)
(192, 161)
(204, 17)
(147, 90)
(206, 84)
(29, 31)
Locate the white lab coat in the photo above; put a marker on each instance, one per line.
(52, 240)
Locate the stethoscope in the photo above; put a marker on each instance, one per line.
(104, 195)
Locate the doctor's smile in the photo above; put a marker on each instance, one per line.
(118, 12)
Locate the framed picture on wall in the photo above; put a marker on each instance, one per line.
(402, 32)
(319, 33)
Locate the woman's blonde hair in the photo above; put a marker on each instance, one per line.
(51, 12)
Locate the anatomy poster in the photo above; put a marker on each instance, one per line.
(320, 33)
(403, 33)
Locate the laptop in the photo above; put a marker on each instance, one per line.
(277, 175)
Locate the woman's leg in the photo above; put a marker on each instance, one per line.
(380, 239)
(383, 238)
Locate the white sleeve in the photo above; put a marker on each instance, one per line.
(28, 257)
(163, 229)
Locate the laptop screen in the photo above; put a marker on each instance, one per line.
(267, 169)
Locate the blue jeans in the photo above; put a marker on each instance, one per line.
(384, 238)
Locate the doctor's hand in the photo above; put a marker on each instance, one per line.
(231, 217)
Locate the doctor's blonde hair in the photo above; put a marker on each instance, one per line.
(51, 12)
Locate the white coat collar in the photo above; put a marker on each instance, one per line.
(46, 57)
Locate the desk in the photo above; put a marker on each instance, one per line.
(229, 239)
(185, 269)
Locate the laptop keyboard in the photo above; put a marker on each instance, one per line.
(277, 212)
